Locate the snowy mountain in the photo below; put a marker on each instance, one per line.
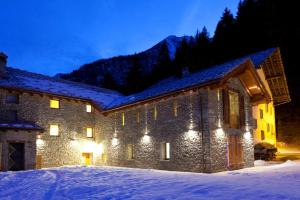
(119, 66)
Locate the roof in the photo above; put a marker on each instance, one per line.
(20, 126)
(24, 80)
(259, 57)
(270, 61)
(176, 84)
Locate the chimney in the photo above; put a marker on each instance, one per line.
(3, 61)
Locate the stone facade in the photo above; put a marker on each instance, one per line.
(192, 122)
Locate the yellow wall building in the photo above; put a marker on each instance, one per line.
(265, 131)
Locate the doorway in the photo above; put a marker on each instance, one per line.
(235, 152)
(87, 158)
(16, 156)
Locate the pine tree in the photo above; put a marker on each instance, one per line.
(182, 57)
(201, 51)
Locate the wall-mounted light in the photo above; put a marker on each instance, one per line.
(114, 141)
(146, 139)
(220, 133)
(247, 135)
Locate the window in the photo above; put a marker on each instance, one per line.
(268, 127)
(89, 132)
(88, 108)
(12, 98)
(175, 108)
(9, 116)
(234, 109)
(130, 152)
(267, 107)
(262, 136)
(123, 119)
(138, 118)
(261, 113)
(54, 131)
(165, 151)
(54, 103)
(155, 113)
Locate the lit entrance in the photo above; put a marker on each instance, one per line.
(87, 158)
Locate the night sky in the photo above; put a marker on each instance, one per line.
(57, 36)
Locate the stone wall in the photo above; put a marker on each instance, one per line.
(196, 135)
(147, 135)
(72, 118)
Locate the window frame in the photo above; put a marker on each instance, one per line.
(165, 151)
(52, 100)
(50, 130)
(87, 132)
(9, 101)
(238, 115)
(88, 108)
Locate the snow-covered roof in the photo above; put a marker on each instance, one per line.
(108, 99)
(176, 84)
(20, 125)
(259, 57)
(20, 79)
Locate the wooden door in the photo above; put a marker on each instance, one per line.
(235, 152)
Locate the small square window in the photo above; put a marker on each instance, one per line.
(88, 108)
(165, 151)
(89, 132)
(54, 103)
(54, 130)
(12, 98)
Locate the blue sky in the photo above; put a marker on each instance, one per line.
(53, 36)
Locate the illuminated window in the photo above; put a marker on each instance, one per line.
(54, 103)
(138, 118)
(54, 131)
(12, 98)
(88, 108)
(175, 108)
(155, 113)
(165, 151)
(262, 135)
(89, 132)
(261, 113)
(234, 109)
(130, 152)
(123, 119)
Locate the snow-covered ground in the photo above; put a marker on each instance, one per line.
(280, 181)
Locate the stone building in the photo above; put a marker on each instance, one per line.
(202, 122)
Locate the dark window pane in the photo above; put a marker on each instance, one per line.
(12, 98)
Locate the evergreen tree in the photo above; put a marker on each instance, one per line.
(201, 51)
(182, 57)
(224, 42)
(135, 81)
(163, 68)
